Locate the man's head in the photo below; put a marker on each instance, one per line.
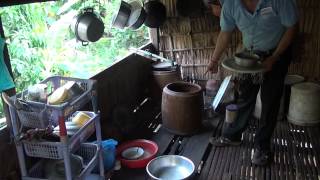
(251, 5)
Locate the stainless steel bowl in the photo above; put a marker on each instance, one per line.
(170, 167)
(245, 59)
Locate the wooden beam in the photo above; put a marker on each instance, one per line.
(17, 2)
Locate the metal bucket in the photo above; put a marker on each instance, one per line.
(304, 108)
(290, 80)
(170, 167)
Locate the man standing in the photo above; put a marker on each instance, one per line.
(268, 28)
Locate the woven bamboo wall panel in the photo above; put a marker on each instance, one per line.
(306, 52)
(207, 23)
(191, 41)
(176, 26)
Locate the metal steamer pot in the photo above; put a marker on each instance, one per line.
(120, 19)
(138, 15)
(190, 8)
(87, 26)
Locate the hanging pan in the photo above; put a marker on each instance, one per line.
(156, 13)
(138, 15)
(120, 19)
(87, 26)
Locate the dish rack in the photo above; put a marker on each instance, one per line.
(42, 115)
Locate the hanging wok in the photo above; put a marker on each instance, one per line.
(87, 26)
(156, 13)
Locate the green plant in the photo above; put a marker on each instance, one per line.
(41, 43)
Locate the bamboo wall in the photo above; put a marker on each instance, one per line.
(191, 41)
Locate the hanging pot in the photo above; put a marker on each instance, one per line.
(138, 15)
(87, 26)
(120, 19)
(156, 13)
(189, 8)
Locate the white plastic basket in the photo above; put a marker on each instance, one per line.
(88, 151)
(54, 150)
(42, 113)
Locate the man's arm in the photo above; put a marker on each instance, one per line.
(285, 41)
(227, 24)
(289, 18)
(223, 41)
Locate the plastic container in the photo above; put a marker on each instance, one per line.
(150, 150)
(35, 119)
(88, 151)
(304, 108)
(54, 150)
(109, 153)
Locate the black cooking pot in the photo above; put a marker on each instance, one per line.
(87, 26)
(190, 8)
(156, 13)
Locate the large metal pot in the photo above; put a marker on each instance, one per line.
(182, 107)
(120, 19)
(170, 167)
(87, 26)
(138, 15)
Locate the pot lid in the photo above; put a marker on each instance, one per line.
(221, 92)
(231, 65)
(163, 66)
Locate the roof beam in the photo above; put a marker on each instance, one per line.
(4, 3)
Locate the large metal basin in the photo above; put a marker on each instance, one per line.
(170, 167)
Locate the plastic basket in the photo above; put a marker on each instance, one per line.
(88, 151)
(54, 150)
(35, 119)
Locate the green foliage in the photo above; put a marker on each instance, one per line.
(41, 43)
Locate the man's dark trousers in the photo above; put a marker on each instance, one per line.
(271, 92)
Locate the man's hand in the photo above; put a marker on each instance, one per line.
(268, 63)
(212, 67)
(216, 10)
